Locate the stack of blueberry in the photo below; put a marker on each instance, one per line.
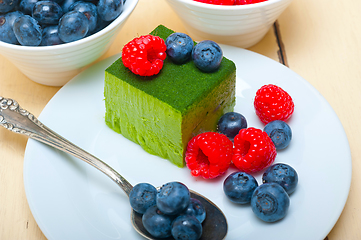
(168, 212)
(53, 22)
(207, 55)
(269, 201)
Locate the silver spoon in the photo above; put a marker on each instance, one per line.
(19, 120)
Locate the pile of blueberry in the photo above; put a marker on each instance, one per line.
(207, 55)
(269, 201)
(53, 22)
(169, 211)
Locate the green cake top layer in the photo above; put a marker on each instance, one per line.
(177, 85)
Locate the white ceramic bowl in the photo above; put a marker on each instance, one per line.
(56, 65)
(237, 25)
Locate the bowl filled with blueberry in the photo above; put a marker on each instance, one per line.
(240, 23)
(51, 41)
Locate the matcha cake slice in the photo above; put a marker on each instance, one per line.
(163, 112)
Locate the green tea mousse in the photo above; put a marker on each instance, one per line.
(163, 112)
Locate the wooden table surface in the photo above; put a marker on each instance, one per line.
(320, 40)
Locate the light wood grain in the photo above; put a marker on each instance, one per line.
(321, 40)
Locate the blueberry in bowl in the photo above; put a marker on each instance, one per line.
(54, 63)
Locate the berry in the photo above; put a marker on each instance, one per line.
(207, 56)
(280, 133)
(283, 174)
(179, 47)
(230, 124)
(7, 5)
(273, 103)
(101, 24)
(73, 26)
(217, 2)
(239, 187)
(173, 198)
(66, 4)
(270, 202)
(6, 27)
(195, 209)
(157, 223)
(51, 36)
(245, 2)
(27, 31)
(186, 228)
(142, 196)
(253, 150)
(47, 12)
(26, 6)
(209, 154)
(144, 55)
(89, 10)
(109, 10)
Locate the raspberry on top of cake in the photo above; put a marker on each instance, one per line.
(163, 112)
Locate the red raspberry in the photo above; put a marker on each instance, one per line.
(245, 2)
(253, 150)
(144, 55)
(209, 154)
(217, 2)
(273, 103)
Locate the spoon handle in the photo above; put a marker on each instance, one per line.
(19, 120)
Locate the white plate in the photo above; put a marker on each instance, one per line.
(71, 200)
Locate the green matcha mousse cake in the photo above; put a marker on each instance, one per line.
(162, 113)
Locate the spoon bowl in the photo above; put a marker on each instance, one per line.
(214, 225)
(19, 120)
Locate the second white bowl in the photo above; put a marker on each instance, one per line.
(240, 26)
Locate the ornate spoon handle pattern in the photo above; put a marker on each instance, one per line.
(19, 120)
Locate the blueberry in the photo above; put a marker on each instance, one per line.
(11, 16)
(73, 26)
(47, 12)
(8, 5)
(89, 10)
(101, 24)
(207, 56)
(173, 198)
(27, 31)
(142, 197)
(270, 202)
(58, 1)
(195, 209)
(26, 6)
(66, 4)
(280, 133)
(109, 10)
(230, 124)
(6, 27)
(283, 174)
(157, 223)
(239, 187)
(51, 36)
(186, 228)
(179, 47)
